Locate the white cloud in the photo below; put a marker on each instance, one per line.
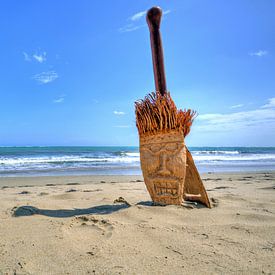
(138, 15)
(236, 106)
(166, 12)
(263, 116)
(259, 53)
(59, 100)
(130, 28)
(141, 14)
(122, 126)
(135, 18)
(40, 57)
(119, 113)
(26, 57)
(45, 77)
(270, 104)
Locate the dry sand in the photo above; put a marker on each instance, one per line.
(71, 225)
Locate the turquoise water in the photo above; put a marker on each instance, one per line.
(71, 160)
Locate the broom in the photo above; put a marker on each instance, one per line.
(158, 115)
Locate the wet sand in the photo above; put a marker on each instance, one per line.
(71, 225)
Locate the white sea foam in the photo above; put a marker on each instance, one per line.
(132, 154)
(245, 157)
(108, 159)
(218, 152)
(64, 159)
(127, 158)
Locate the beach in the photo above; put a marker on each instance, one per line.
(97, 224)
(108, 165)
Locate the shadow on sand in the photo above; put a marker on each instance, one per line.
(187, 204)
(28, 210)
(66, 213)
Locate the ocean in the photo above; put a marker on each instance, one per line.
(45, 161)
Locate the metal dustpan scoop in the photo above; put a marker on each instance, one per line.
(167, 165)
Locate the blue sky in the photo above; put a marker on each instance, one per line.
(71, 70)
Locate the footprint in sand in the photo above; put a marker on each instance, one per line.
(72, 183)
(94, 225)
(214, 202)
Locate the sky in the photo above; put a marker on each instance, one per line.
(72, 70)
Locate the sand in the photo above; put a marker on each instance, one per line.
(71, 225)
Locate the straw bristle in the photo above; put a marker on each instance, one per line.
(158, 113)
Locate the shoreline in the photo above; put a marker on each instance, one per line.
(121, 160)
(96, 179)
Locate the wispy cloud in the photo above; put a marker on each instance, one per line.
(264, 115)
(37, 56)
(119, 113)
(40, 57)
(130, 28)
(259, 53)
(45, 77)
(236, 106)
(26, 57)
(141, 14)
(122, 126)
(166, 12)
(270, 104)
(138, 15)
(134, 19)
(59, 99)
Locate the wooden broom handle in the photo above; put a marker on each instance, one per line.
(153, 19)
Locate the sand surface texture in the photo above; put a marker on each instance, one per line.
(71, 225)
